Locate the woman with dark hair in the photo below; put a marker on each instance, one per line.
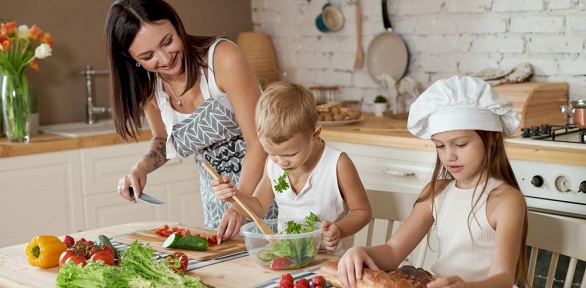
(198, 95)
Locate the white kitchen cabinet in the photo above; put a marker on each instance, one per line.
(176, 183)
(40, 196)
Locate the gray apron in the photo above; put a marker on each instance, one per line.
(213, 134)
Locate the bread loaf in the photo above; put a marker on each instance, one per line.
(404, 277)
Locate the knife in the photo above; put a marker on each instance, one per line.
(146, 198)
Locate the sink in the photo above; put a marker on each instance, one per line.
(80, 129)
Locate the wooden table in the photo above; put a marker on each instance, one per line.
(15, 271)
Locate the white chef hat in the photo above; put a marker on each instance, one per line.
(461, 103)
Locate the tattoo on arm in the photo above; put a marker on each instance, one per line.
(159, 152)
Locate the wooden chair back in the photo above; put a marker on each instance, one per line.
(394, 207)
(556, 236)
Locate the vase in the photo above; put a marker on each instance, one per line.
(379, 109)
(16, 108)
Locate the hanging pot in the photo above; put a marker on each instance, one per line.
(579, 113)
(387, 53)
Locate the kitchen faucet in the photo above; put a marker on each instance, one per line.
(92, 111)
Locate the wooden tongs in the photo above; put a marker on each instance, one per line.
(264, 228)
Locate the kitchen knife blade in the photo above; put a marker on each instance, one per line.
(146, 198)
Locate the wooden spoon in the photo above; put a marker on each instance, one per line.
(264, 228)
(359, 61)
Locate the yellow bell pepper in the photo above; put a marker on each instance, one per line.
(44, 251)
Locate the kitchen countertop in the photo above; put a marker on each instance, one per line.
(15, 271)
(379, 131)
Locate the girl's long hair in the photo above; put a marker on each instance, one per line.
(496, 165)
(131, 86)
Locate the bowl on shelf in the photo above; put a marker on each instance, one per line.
(281, 251)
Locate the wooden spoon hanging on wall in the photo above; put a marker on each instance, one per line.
(359, 61)
(264, 228)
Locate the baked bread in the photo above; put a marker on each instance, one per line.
(404, 277)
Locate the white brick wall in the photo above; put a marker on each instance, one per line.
(444, 38)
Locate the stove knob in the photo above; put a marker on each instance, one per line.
(582, 187)
(537, 181)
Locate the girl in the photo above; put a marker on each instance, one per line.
(473, 198)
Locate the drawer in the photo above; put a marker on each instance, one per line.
(388, 168)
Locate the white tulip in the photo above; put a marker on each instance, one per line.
(43, 51)
(23, 32)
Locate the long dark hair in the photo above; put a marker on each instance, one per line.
(496, 165)
(131, 86)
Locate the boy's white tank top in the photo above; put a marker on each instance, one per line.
(320, 195)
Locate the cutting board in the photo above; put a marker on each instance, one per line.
(214, 251)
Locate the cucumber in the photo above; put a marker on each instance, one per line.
(103, 240)
(189, 242)
(265, 255)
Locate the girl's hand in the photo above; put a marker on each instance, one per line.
(331, 235)
(224, 189)
(136, 179)
(351, 264)
(452, 282)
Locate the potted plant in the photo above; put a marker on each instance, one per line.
(380, 105)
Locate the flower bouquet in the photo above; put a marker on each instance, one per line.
(19, 47)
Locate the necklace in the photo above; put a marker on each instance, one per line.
(173, 93)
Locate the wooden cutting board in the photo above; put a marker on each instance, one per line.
(214, 251)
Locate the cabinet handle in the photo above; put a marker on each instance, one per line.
(398, 173)
(174, 161)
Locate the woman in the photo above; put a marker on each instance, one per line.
(198, 95)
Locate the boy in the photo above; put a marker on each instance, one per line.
(302, 173)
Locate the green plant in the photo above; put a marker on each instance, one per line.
(380, 99)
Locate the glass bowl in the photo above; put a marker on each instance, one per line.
(281, 251)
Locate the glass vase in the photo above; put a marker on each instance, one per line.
(16, 108)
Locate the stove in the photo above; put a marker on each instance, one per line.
(553, 187)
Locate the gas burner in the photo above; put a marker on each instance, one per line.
(555, 133)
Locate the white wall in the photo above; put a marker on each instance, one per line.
(444, 37)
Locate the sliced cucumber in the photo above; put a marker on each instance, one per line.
(265, 255)
(186, 242)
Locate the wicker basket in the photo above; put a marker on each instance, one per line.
(259, 51)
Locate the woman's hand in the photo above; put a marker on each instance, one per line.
(224, 189)
(351, 264)
(452, 282)
(136, 179)
(331, 235)
(230, 224)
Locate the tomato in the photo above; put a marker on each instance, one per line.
(301, 283)
(183, 260)
(65, 256)
(103, 256)
(287, 277)
(280, 263)
(77, 260)
(213, 239)
(108, 249)
(69, 241)
(285, 284)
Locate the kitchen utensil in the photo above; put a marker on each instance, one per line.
(387, 53)
(330, 19)
(262, 225)
(155, 241)
(359, 61)
(146, 198)
(579, 113)
(260, 246)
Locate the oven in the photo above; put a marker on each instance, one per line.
(553, 187)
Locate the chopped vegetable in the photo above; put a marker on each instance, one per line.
(281, 184)
(44, 251)
(189, 242)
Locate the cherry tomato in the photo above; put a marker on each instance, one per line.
(213, 239)
(285, 284)
(65, 256)
(318, 281)
(103, 256)
(182, 258)
(287, 277)
(302, 283)
(69, 241)
(77, 260)
(108, 249)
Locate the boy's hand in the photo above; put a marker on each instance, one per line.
(224, 189)
(331, 235)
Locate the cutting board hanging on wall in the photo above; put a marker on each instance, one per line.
(214, 251)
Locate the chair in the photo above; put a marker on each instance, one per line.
(394, 207)
(558, 236)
